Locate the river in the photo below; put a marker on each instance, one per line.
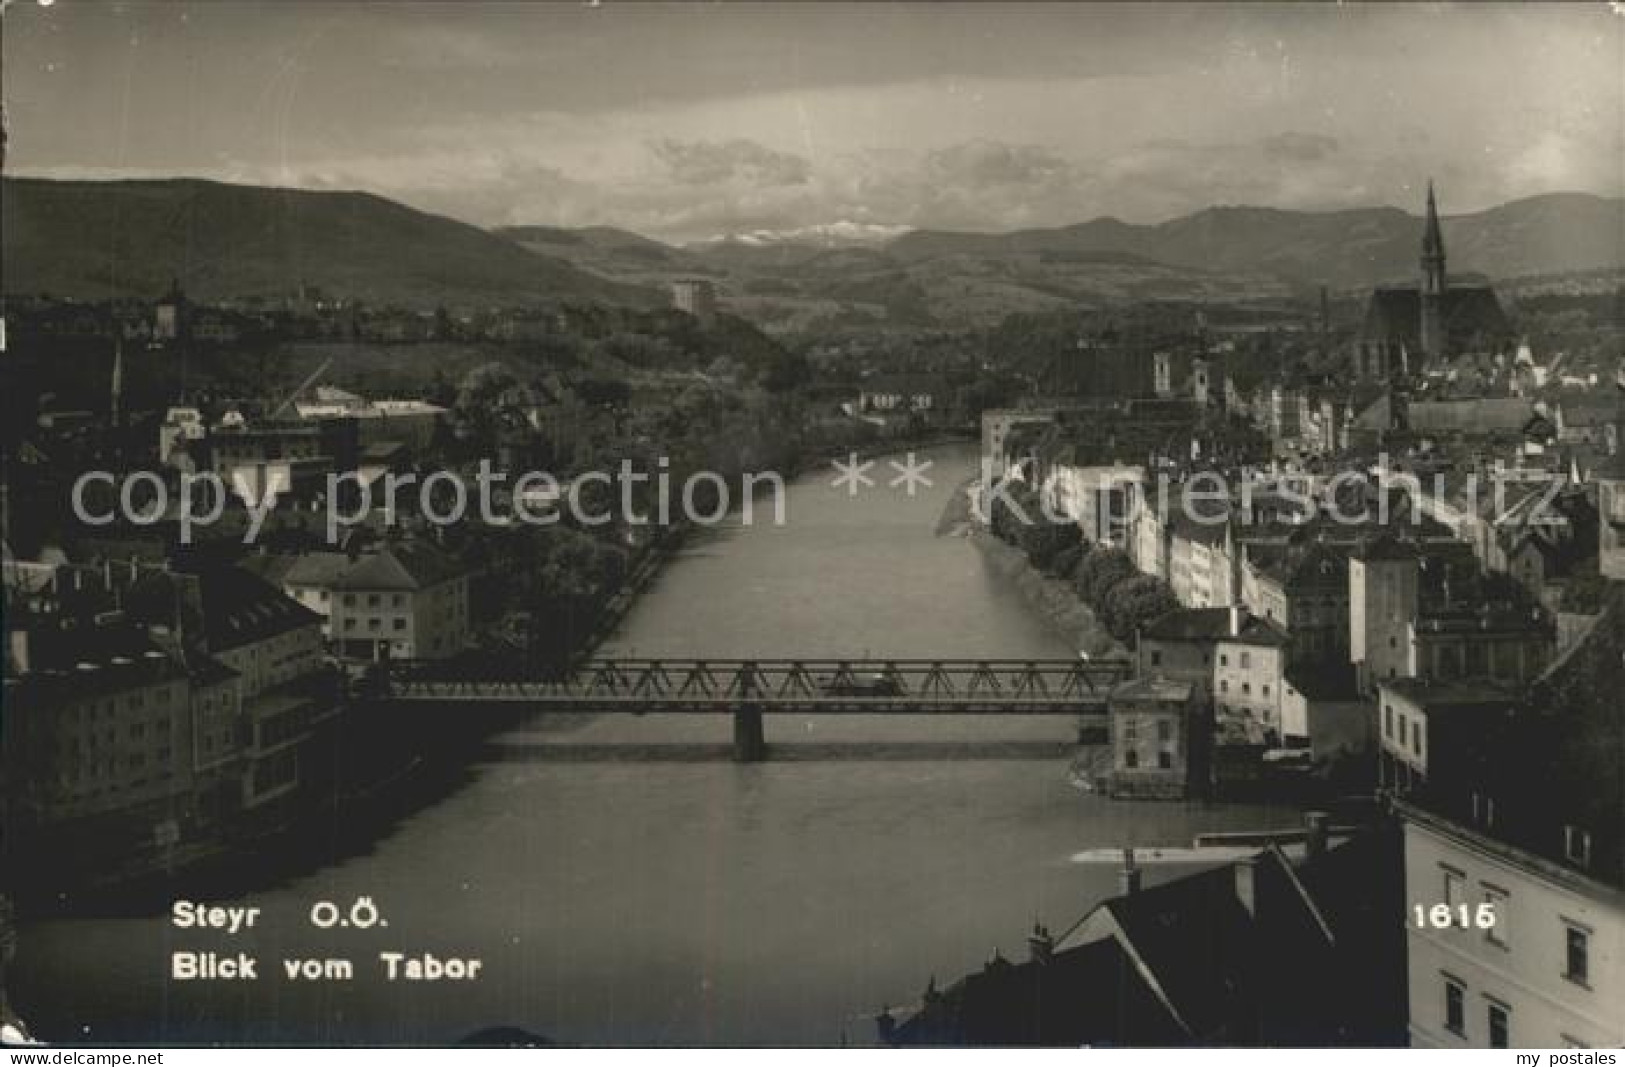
(624, 882)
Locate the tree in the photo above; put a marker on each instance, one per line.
(1099, 571)
(1133, 602)
(1012, 511)
(1066, 561)
(1044, 540)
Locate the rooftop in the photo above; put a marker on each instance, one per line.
(1164, 690)
(1434, 694)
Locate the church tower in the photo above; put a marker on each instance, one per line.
(1432, 283)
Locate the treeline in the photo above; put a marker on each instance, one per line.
(1102, 577)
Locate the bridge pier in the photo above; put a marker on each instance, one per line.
(750, 741)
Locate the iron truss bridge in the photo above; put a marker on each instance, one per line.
(913, 687)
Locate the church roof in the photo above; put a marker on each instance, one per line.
(1471, 313)
(1480, 416)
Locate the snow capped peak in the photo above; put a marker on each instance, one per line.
(829, 235)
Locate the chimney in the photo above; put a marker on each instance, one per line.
(1040, 944)
(1235, 619)
(1247, 883)
(1128, 878)
(887, 1026)
(1314, 841)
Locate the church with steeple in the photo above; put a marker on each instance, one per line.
(1409, 327)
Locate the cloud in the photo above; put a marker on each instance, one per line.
(1298, 147)
(984, 164)
(738, 160)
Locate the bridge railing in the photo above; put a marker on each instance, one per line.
(815, 683)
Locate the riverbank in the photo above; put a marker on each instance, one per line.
(1051, 599)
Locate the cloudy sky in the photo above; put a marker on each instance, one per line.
(685, 122)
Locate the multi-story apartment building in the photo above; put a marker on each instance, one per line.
(1249, 667)
(1504, 642)
(1515, 867)
(1423, 726)
(1097, 498)
(1530, 950)
(257, 665)
(134, 733)
(392, 601)
(1304, 590)
(98, 736)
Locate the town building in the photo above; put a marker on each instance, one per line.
(1507, 642)
(138, 734)
(1383, 600)
(900, 394)
(1407, 326)
(1611, 518)
(407, 421)
(98, 740)
(1515, 893)
(1097, 498)
(1153, 724)
(1428, 728)
(695, 296)
(261, 661)
(1304, 590)
(1323, 711)
(1249, 668)
(1180, 645)
(406, 600)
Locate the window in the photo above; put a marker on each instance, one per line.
(1452, 887)
(395, 599)
(1266, 689)
(1246, 660)
(372, 600)
(1156, 657)
(1131, 729)
(1165, 731)
(1416, 737)
(1577, 845)
(1165, 760)
(1247, 688)
(1455, 1008)
(349, 600)
(1500, 1026)
(1224, 685)
(1576, 954)
(398, 623)
(1224, 660)
(1131, 758)
(1388, 720)
(1496, 933)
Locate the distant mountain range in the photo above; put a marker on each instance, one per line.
(849, 276)
(130, 238)
(94, 239)
(1560, 232)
